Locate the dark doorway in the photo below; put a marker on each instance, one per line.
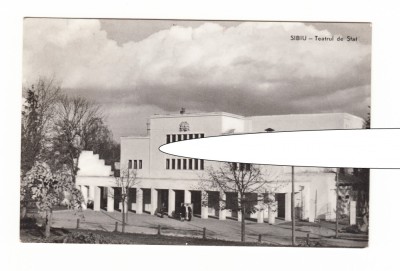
(103, 198)
(196, 200)
(179, 199)
(162, 200)
(117, 198)
(280, 198)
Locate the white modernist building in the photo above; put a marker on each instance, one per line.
(168, 181)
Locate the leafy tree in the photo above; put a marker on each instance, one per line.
(37, 113)
(48, 189)
(242, 180)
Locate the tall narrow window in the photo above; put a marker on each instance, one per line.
(168, 139)
(135, 164)
(184, 163)
(201, 135)
(173, 138)
(234, 166)
(184, 137)
(167, 164)
(179, 163)
(248, 167)
(129, 164)
(190, 136)
(202, 164)
(173, 164)
(196, 165)
(140, 164)
(190, 163)
(179, 137)
(241, 166)
(196, 135)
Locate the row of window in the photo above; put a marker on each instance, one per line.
(137, 164)
(179, 137)
(241, 166)
(184, 164)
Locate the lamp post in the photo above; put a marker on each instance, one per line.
(293, 214)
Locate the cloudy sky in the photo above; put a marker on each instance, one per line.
(137, 68)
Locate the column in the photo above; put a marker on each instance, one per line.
(154, 200)
(288, 207)
(110, 199)
(260, 212)
(84, 191)
(96, 198)
(352, 212)
(139, 201)
(222, 205)
(171, 202)
(239, 212)
(187, 199)
(306, 203)
(271, 214)
(204, 204)
(91, 192)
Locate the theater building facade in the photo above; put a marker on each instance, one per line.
(167, 181)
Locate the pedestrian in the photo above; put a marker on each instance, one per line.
(162, 210)
(183, 212)
(189, 213)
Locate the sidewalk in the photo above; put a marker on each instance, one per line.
(279, 234)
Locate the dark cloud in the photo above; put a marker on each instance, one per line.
(139, 68)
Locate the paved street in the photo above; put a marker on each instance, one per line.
(229, 229)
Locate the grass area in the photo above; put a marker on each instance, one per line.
(35, 235)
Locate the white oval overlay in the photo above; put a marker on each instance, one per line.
(359, 148)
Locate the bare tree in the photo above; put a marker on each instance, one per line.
(242, 180)
(126, 181)
(77, 122)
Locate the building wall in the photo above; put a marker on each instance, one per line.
(304, 122)
(136, 148)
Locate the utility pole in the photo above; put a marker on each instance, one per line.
(337, 203)
(293, 215)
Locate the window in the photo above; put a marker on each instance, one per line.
(248, 167)
(196, 135)
(184, 137)
(190, 163)
(173, 138)
(241, 167)
(167, 164)
(129, 164)
(184, 164)
(173, 164)
(168, 139)
(191, 136)
(135, 164)
(202, 164)
(201, 135)
(196, 165)
(234, 166)
(179, 137)
(140, 164)
(179, 164)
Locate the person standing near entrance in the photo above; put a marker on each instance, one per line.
(183, 212)
(189, 213)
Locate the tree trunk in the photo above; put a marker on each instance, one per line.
(243, 228)
(127, 201)
(49, 218)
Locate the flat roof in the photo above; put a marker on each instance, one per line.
(197, 114)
